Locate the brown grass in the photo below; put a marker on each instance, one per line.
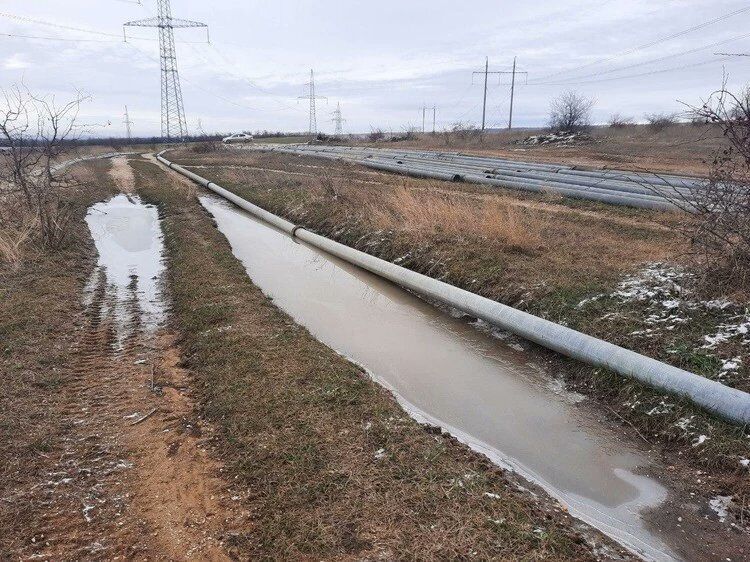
(429, 214)
(39, 305)
(14, 239)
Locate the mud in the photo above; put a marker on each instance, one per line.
(135, 479)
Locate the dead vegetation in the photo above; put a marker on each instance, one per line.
(716, 222)
(34, 132)
(430, 214)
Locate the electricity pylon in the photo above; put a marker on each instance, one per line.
(338, 119)
(128, 123)
(313, 129)
(173, 123)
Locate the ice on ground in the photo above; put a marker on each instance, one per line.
(720, 505)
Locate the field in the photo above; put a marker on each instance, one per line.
(681, 148)
(236, 434)
(605, 270)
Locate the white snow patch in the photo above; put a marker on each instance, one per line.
(720, 505)
(701, 439)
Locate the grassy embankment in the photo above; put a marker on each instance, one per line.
(40, 302)
(326, 461)
(533, 253)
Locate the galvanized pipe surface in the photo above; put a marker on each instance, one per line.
(729, 403)
(607, 186)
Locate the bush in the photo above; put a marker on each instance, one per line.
(206, 147)
(570, 111)
(660, 121)
(617, 121)
(376, 135)
(717, 222)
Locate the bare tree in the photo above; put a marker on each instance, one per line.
(570, 111)
(717, 222)
(34, 133)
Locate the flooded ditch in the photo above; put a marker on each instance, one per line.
(489, 393)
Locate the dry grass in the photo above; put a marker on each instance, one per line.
(429, 214)
(39, 305)
(15, 238)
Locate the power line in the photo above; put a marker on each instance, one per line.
(650, 43)
(38, 37)
(661, 71)
(658, 59)
(57, 25)
(499, 74)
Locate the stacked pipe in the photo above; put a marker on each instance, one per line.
(649, 191)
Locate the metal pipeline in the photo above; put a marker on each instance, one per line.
(729, 403)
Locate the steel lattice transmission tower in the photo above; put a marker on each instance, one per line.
(128, 123)
(313, 129)
(338, 119)
(173, 123)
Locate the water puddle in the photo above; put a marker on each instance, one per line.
(126, 285)
(493, 397)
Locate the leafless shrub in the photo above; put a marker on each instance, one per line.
(570, 111)
(660, 121)
(376, 135)
(207, 147)
(35, 132)
(718, 220)
(618, 121)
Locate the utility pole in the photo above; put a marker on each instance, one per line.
(338, 119)
(128, 123)
(173, 123)
(424, 117)
(499, 74)
(484, 103)
(512, 91)
(313, 129)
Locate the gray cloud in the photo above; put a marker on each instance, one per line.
(380, 60)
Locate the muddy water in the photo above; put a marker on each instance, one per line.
(128, 238)
(489, 394)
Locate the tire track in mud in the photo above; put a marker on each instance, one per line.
(134, 478)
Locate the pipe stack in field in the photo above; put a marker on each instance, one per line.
(647, 191)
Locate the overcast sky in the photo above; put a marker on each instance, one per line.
(381, 60)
